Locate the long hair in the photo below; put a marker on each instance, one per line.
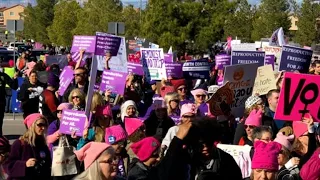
(170, 97)
(97, 100)
(94, 171)
(30, 135)
(82, 96)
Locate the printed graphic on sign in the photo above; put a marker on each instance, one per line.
(265, 80)
(299, 95)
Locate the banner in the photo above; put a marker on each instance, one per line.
(15, 103)
(114, 81)
(265, 80)
(196, 69)
(66, 78)
(294, 58)
(86, 43)
(241, 78)
(153, 63)
(244, 47)
(174, 70)
(223, 59)
(269, 59)
(299, 95)
(72, 121)
(135, 68)
(107, 43)
(241, 154)
(247, 57)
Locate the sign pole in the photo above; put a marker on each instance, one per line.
(14, 55)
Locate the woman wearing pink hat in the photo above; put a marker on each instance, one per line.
(200, 97)
(99, 162)
(30, 156)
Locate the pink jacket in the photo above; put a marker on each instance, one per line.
(53, 137)
(311, 169)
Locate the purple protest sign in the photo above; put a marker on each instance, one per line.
(114, 81)
(72, 121)
(269, 59)
(174, 69)
(168, 58)
(107, 42)
(295, 59)
(223, 59)
(86, 43)
(135, 68)
(66, 77)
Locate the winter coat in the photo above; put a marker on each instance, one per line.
(20, 153)
(139, 171)
(30, 99)
(311, 169)
(158, 127)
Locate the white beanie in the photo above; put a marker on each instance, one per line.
(125, 106)
(251, 101)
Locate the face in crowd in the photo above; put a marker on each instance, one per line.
(273, 100)
(187, 117)
(317, 68)
(108, 162)
(174, 103)
(181, 90)
(200, 98)
(79, 75)
(40, 127)
(262, 174)
(131, 111)
(76, 99)
(33, 78)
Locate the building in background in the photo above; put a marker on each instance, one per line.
(294, 21)
(13, 13)
(2, 18)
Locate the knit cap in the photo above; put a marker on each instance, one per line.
(63, 106)
(284, 140)
(254, 118)
(199, 92)
(145, 148)
(177, 83)
(104, 110)
(188, 109)
(132, 125)
(213, 89)
(266, 155)
(115, 134)
(30, 119)
(251, 101)
(53, 80)
(165, 90)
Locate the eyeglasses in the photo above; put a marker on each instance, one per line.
(59, 111)
(181, 89)
(80, 74)
(74, 97)
(42, 125)
(110, 161)
(188, 116)
(249, 126)
(200, 95)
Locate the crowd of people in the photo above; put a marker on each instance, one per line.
(152, 132)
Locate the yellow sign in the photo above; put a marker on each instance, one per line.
(264, 81)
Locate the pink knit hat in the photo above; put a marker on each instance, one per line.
(266, 155)
(254, 118)
(63, 106)
(90, 152)
(165, 90)
(284, 140)
(188, 109)
(299, 128)
(115, 134)
(132, 125)
(198, 92)
(145, 148)
(104, 110)
(29, 120)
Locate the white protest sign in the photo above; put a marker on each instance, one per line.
(265, 80)
(153, 63)
(244, 47)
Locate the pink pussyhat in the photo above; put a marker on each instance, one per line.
(132, 125)
(254, 118)
(104, 110)
(63, 106)
(145, 148)
(266, 155)
(299, 128)
(115, 134)
(284, 140)
(90, 152)
(30, 119)
(188, 109)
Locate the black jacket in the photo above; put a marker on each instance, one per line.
(153, 125)
(6, 80)
(139, 171)
(70, 88)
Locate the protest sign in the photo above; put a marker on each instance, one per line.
(265, 80)
(273, 50)
(86, 43)
(299, 95)
(114, 81)
(153, 63)
(61, 60)
(247, 57)
(92, 82)
(66, 78)
(168, 58)
(244, 47)
(241, 154)
(133, 45)
(72, 121)
(241, 78)
(107, 43)
(135, 68)
(196, 69)
(15, 103)
(223, 59)
(295, 59)
(269, 59)
(174, 70)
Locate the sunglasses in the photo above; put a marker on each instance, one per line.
(180, 89)
(42, 125)
(59, 111)
(250, 126)
(74, 97)
(110, 161)
(202, 95)
(80, 74)
(121, 143)
(176, 100)
(188, 116)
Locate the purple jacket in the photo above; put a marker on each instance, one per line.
(15, 166)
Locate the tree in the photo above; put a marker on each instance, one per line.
(30, 25)
(308, 32)
(131, 18)
(95, 16)
(271, 15)
(65, 20)
(239, 24)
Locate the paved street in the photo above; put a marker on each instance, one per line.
(12, 129)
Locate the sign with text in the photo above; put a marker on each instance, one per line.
(295, 59)
(135, 68)
(114, 81)
(265, 80)
(86, 43)
(299, 95)
(275, 50)
(196, 69)
(247, 57)
(174, 69)
(168, 58)
(244, 47)
(66, 78)
(107, 43)
(153, 63)
(241, 78)
(223, 59)
(269, 59)
(72, 121)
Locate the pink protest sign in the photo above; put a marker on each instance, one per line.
(300, 94)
